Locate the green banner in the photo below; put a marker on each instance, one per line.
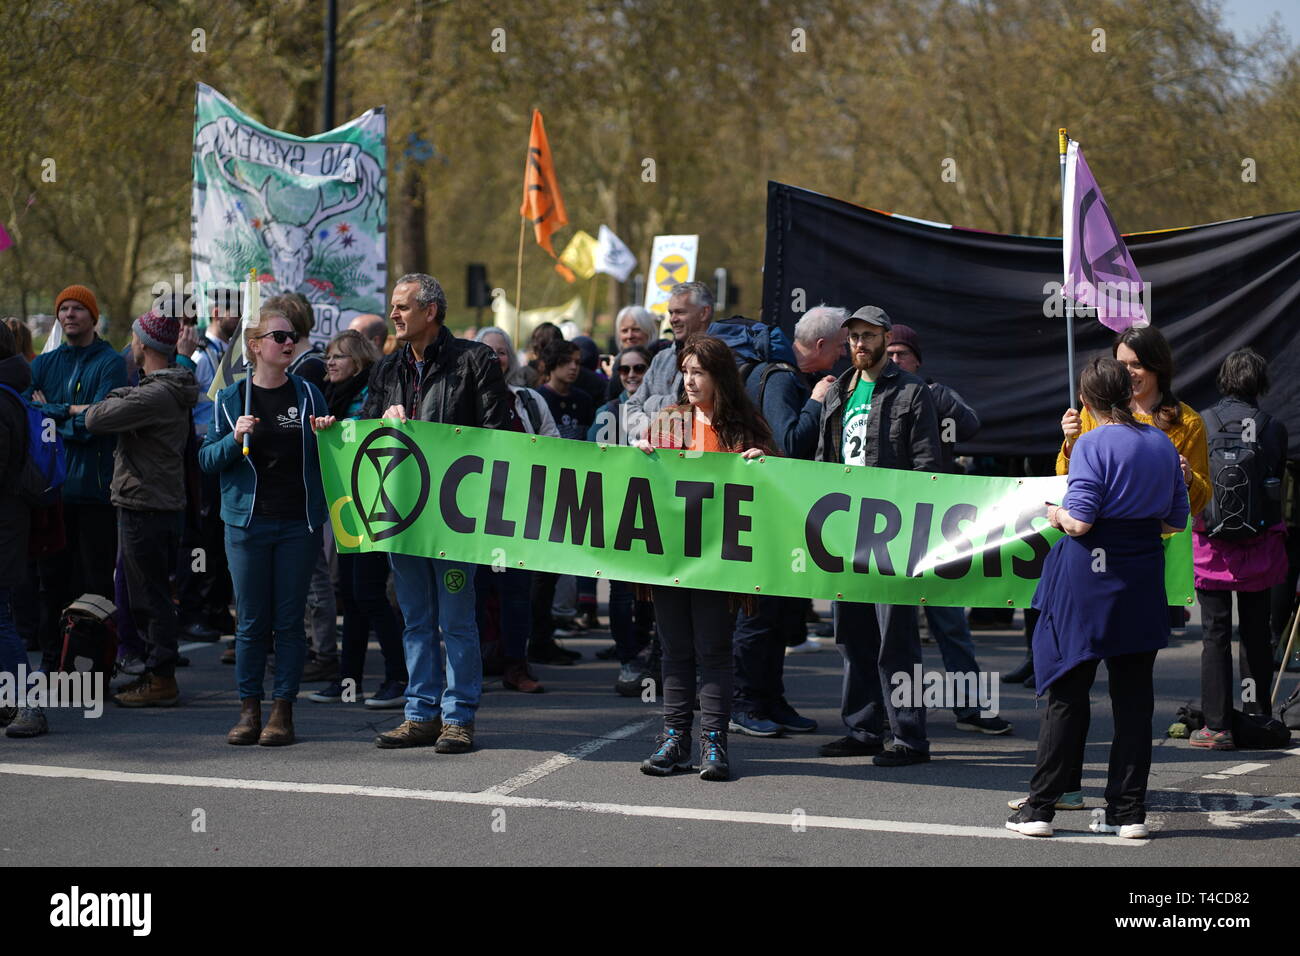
(713, 521)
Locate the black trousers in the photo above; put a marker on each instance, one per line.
(85, 566)
(871, 660)
(543, 596)
(759, 651)
(1063, 735)
(1255, 654)
(149, 540)
(205, 596)
(695, 630)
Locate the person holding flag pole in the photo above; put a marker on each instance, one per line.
(273, 505)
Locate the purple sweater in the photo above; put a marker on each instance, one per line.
(1119, 471)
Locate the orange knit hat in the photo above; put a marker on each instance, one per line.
(78, 293)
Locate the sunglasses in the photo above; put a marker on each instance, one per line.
(280, 336)
(639, 369)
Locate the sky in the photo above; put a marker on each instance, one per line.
(1249, 16)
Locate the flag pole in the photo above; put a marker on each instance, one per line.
(248, 315)
(519, 281)
(1063, 140)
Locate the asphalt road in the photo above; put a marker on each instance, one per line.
(554, 780)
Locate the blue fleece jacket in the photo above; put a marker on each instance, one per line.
(222, 455)
(80, 376)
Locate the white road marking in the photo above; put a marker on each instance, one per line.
(1243, 768)
(489, 799)
(533, 774)
(1214, 776)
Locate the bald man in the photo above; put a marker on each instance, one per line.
(372, 327)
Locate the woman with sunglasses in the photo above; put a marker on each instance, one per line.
(273, 504)
(608, 428)
(362, 577)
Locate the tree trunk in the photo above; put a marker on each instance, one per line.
(413, 242)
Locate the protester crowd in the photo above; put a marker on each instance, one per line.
(200, 515)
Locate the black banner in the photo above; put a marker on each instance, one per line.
(977, 299)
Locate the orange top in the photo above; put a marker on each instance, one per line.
(704, 438)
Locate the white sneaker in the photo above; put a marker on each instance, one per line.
(1034, 828)
(1127, 831)
(810, 646)
(130, 664)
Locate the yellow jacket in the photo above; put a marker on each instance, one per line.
(1188, 437)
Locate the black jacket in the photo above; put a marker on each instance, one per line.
(462, 385)
(14, 511)
(904, 425)
(956, 419)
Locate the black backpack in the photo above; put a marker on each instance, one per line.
(1239, 508)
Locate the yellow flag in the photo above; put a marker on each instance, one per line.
(579, 257)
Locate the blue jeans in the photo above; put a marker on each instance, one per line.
(271, 563)
(437, 600)
(12, 649)
(950, 631)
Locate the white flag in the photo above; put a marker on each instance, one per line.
(613, 257)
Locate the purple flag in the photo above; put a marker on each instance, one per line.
(5, 239)
(1098, 268)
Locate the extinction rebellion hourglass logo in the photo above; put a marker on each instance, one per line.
(385, 468)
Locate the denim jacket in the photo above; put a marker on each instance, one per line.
(222, 455)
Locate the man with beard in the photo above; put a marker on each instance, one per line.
(879, 416)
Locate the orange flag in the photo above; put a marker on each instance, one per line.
(543, 205)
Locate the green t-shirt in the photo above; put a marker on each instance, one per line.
(853, 446)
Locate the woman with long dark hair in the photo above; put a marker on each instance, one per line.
(1232, 556)
(1126, 488)
(695, 626)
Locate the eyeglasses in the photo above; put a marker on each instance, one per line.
(639, 369)
(280, 336)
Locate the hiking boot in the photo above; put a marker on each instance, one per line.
(984, 725)
(516, 677)
(1213, 739)
(455, 739)
(228, 655)
(30, 722)
(672, 753)
(391, 693)
(755, 725)
(713, 756)
(249, 726)
(410, 733)
(151, 691)
(899, 755)
(278, 731)
(319, 670)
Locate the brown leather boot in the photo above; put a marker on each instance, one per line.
(250, 723)
(279, 729)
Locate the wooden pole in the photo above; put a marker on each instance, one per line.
(1063, 141)
(519, 282)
